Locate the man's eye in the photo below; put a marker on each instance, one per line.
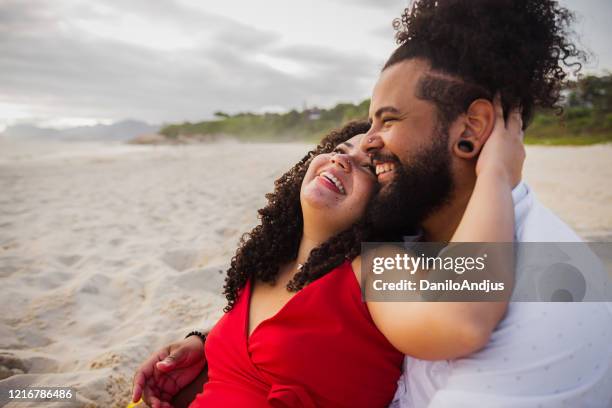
(386, 121)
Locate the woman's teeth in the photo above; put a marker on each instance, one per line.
(334, 180)
(384, 168)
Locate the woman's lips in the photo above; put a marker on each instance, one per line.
(329, 184)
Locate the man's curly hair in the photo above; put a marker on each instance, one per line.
(476, 48)
(277, 237)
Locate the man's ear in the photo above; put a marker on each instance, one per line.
(477, 126)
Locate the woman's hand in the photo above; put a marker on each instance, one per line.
(167, 371)
(503, 153)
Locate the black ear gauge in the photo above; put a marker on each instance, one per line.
(465, 146)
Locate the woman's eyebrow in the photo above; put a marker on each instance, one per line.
(344, 146)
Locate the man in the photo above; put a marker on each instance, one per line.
(431, 114)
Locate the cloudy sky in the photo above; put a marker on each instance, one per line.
(72, 62)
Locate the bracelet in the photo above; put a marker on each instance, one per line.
(201, 335)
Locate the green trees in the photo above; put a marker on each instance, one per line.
(308, 124)
(593, 92)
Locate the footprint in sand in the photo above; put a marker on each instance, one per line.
(8, 266)
(181, 259)
(69, 260)
(10, 366)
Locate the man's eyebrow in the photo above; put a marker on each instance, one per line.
(384, 109)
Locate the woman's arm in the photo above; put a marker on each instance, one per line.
(489, 215)
(434, 330)
(447, 330)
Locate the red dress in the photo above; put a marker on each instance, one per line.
(321, 349)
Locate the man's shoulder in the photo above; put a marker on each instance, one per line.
(534, 222)
(553, 260)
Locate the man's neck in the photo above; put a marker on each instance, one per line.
(441, 225)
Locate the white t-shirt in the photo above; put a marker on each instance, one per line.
(540, 355)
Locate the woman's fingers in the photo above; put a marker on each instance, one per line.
(153, 398)
(144, 372)
(514, 123)
(138, 384)
(499, 126)
(172, 360)
(140, 378)
(499, 110)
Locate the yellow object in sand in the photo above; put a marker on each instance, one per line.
(135, 404)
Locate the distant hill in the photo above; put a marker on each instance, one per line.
(307, 124)
(119, 131)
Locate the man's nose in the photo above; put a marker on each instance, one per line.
(371, 143)
(343, 161)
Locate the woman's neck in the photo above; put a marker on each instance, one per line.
(288, 270)
(311, 238)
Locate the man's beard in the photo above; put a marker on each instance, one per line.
(417, 189)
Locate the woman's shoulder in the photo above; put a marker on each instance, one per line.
(356, 266)
(384, 249)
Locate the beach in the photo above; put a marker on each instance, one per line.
(109, 251)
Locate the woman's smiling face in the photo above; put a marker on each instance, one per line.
(338, 185)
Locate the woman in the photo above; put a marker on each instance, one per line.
(296, 332)
(299, 347)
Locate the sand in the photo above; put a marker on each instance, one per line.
(109, 251)
(576, 183)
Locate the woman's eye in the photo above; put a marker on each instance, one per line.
(387, 121)
(370, 168)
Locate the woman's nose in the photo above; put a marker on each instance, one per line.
(342, 161)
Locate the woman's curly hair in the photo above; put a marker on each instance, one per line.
(277, 237)
(517, 47)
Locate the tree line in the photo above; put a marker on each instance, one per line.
(586, 119)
